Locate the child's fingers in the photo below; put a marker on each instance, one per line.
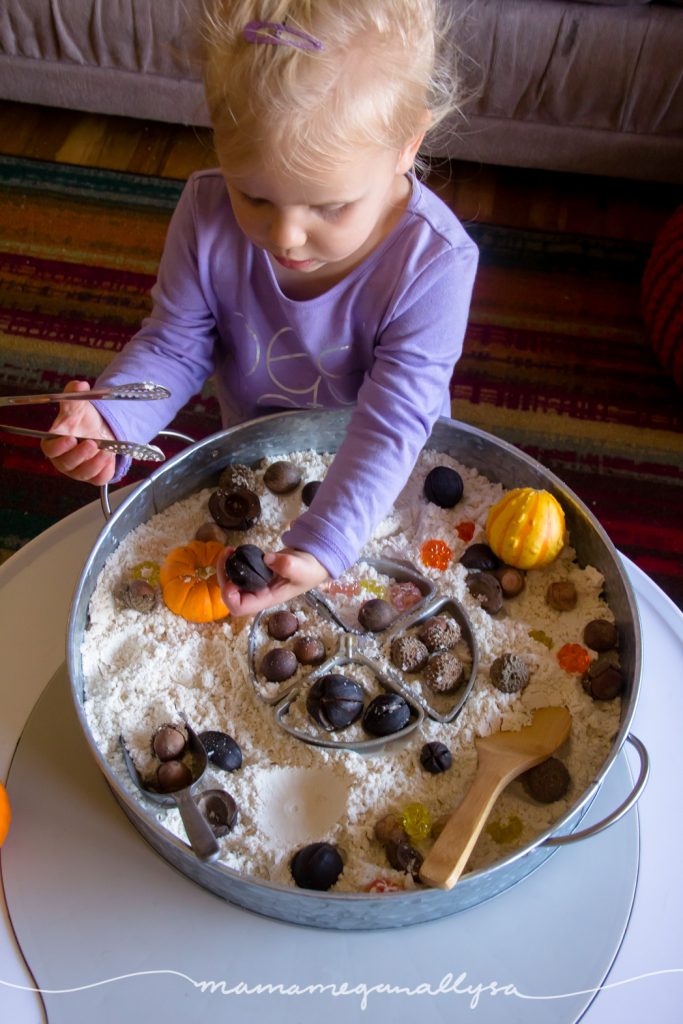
(244, 602)
(71, 414)
(297, 567)
(82, 461)
(295, 572)
(57, 447)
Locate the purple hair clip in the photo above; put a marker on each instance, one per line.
(276, 34)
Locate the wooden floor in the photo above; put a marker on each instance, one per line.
(612, 208)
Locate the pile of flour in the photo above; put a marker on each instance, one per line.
(143, 671)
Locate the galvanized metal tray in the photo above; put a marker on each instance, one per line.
(271, 437)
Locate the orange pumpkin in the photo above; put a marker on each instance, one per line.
(5, 814)
(189, 585)
(526, 528)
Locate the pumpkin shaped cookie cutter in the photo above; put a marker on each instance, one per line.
(352, 648)
(322, 604)
(440, 707)
(399, 572)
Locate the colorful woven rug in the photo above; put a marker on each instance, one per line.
(555, 358)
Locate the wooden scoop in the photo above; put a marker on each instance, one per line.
(502, 757)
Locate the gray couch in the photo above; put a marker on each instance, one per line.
(593, 87)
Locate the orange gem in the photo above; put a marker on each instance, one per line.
(436, 554)
(5, 814)
(466, 530)
(383, 885)
(574, 658)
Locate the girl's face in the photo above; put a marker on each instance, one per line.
(322, 228)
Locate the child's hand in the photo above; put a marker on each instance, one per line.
(80, 460)
(295, 573)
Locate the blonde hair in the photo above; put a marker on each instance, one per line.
(379, 79)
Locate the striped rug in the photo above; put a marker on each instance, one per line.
(555, 358)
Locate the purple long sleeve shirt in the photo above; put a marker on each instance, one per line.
(385, 339)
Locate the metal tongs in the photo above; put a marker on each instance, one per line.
(129, 392)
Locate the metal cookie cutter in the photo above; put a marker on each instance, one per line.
(350, 651)
(347, 654)
(400, 572)
(441, 707)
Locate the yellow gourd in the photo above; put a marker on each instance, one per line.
(188, 582)
(526, 528)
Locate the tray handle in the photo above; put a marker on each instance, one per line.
(104, 489)
(620, 811)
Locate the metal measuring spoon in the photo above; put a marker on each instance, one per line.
(199, 832)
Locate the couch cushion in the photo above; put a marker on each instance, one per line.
(578, 64)
(127, 35)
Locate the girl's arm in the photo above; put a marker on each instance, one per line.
(174, 346)
(404, 393)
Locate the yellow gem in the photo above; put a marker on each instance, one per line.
(147, 571)
(505, 832)
(374, 588)
(542, 638)
(417, 821)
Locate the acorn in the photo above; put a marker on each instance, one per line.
(440, 633)
(278, 664)
(479, 556)
(309, 491)
(235, 510)
(445, 672)
(139, 595)
(509, 673)
(561, 595)
(219, 809)
(548, 781)
(486, 589)
(316, 866)
(603, 679)
(600, 635)
(282, 477)
(408, 653)
(385, 714)
(443, 487)
(168, 743)
(212, 531)
(246, 568)
(222, 750)
(172, 776)
(281, 625)
(435, 758)
(235, 476)
(512, 581)
(390, 829)
(375, 615)
(309, 650)
(335, 702)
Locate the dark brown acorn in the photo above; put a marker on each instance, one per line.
(235, 510)
(282, 477)
(335, 702)
(246, 568)
(385, 714)
(316, 866)
(222, 750)
(443, 487)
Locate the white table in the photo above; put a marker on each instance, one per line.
(646, 981)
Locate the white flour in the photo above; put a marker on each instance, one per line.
(143, 671)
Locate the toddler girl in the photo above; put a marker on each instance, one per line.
(312, 269)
